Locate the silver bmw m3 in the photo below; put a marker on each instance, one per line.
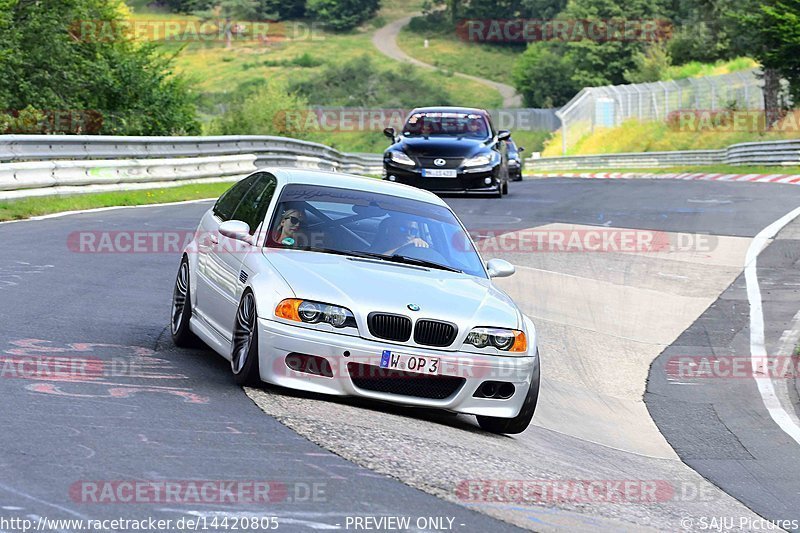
(353, 286)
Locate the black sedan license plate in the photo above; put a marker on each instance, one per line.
(410, 363)
(439, 173)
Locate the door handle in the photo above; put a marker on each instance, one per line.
(213, 239)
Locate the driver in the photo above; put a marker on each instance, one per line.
(395, 233)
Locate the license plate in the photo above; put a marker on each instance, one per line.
(439, 173)
(410, 363)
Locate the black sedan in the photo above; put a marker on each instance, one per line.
(448, 150)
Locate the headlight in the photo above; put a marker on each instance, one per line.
(513, 162)
(310, 312)
(401, 158)
(505, 340)
(478, 160)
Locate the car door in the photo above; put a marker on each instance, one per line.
(230, 254)
(210, 271)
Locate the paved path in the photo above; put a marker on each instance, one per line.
(385, 40)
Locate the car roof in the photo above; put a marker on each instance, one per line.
(446, 109)
(351, 181)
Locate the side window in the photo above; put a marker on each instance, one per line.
(253, 207)
(227, 203)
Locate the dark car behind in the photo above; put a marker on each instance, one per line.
(516, 162)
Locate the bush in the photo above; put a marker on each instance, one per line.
(359, 83)
(342, 15)
(266, 109)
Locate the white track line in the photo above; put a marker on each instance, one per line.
(99, 209)
(758, 350)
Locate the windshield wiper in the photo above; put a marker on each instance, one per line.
(396, 258)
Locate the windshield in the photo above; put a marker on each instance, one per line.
(469, 125)
(361, 223)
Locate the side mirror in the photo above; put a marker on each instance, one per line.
(390, 133)
(499, 268)
(520, 149)
(237, 230)
(503, 135)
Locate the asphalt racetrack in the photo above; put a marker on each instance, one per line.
(148, 413)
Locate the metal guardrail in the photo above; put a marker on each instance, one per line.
(38, 178)
(775, 153)
(55, 164)
(267, 149)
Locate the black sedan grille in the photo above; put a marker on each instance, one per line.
(389, 327)
(435, 333)
(375, 378)
(449, 162)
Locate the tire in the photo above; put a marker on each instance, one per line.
(518, 424)
(182, 335)
(505, 187)
(244, 354)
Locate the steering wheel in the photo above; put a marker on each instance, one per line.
(418, 252)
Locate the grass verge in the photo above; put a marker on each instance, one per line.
(635, 136)
(45, 205)
(447, 51)
(706, 169)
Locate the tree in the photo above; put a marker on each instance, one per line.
(651, 65)
(604, 61)
(542, 76)
(342, 15)
(55, 58)
(770, 33)
(542, 9)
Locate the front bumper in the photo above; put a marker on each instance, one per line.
(473, 181)
(277, 340)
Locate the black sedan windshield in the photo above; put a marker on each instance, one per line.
(470, 125)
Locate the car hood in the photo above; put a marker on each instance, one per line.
(441, 146)
(365, 285)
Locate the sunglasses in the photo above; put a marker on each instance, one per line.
(411, 230)
(294, 220)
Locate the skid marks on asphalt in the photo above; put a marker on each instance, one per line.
(12, 273)
(92, 370)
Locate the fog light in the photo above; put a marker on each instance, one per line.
(488, 181)
(392, 178)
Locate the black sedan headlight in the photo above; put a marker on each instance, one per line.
(479, 160)
(401, 159)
